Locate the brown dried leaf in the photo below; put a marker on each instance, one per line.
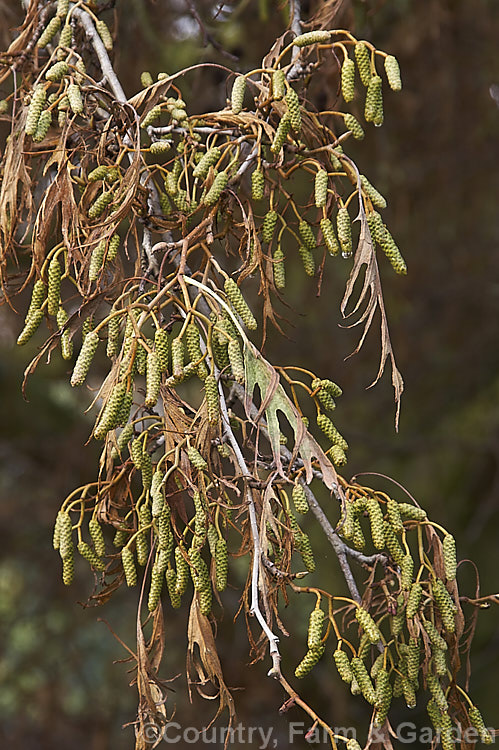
(371, 296)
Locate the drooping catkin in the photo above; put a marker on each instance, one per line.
(477, 721)
(208, 159)
(344, 231)
(96, 260)
(293, 104)
(320, 36)
(348, 79)
(221, 564)
(315, 623)
(212, 399)
(320, 188)
(49, 32)
(450, 557)
(412, 512)
(100, 204)
(373, 98)
(392, 543)
(364, 681)
(196, 458)
(239, 303)
(367, 624)
(268, 225)
(54, 275)
(237, 95)
(393, 516)
(74, 97)
(406, 572)
(392, 71)
(153, 379)
(307, 235)
(218, 186)
(445, 605)
(36, 105)
(281, 134)
(330, 431)
(171, 578)
(363, 59)
(177, 357)
(257, 184)
(376, 520)
(329, 236)
(278, 84)
(309, 661)
(85, 357)
(414, 600)
(236, 360)
(299, 498)
(279, 268)
(352, 124)
(128, 562)
(376, 198)
(343, 665)
(105, 34)
(307, 259)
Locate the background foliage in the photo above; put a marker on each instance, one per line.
(434, 158)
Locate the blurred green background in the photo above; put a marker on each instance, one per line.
(436, 159)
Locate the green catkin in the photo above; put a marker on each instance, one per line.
(85, 357)
(104, 34)
(96, 260)
(54, 275)
(450, 558)
(80, 73)
(236, 360)
(278, 84)
(320, 188)
(409, 693)
(57, 71)
(414, 600)
(43, 126)
(212, 402)
(312, 37)
(354, 687)
(100, 204)
(111, 413)
(237, 95)
(56, 538)
(30, 327)
(158, 499)
(367, 624)
(164, 531)
(434, 636)
(141, 543)
(49, 32)
(307, 259)
(434, 714)
(392, 543)
(126, 405)
(193, 345)
(435, 688)
(75, 100)
(160, 147)
(239, 304)
(477, 721)
(412, 512)
(348, 79)
(38, 295)
(445, 605)
(62, 8)
(326, 399)
(279, 269)
(161, 348)
(307, 555)
(199, 572)
(218, 186)
(358, 539)
(377, 666)
(35, 109)
(153, 379)
(338, 457)
(171, 578)
(393, 516)
(177, 357)
(343, 665)
(344, 231)
(68, 570)
(363, 679)
(383, 697)
(209, 159)
(113, 335)
(113, 246)
(354, 126)
(315, 624)
(363, 59)
(125, 436)
(182, 576)
(307, 235)
(205, 599)
(413, 654)
(299, 499)
(221, 564)
(328, 385)
(120, 537)
(146, 79)
(376, 198)
(392, 71)
(98, 174)
(257, 185)
(440, 661)
(268, 225)
(196, 459)
(392, 252)
(330, 431)
(97, 536)
(128, 562)
(309, 661)
(155, 588)
(89, 554)
(406, 572)
(293, 104)
(281, 134)
(329, 236)
(349, 517)
(153, 114)
(446, 733)
(161, 561)
(65, 534)
(376, 520)
(373, 99)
